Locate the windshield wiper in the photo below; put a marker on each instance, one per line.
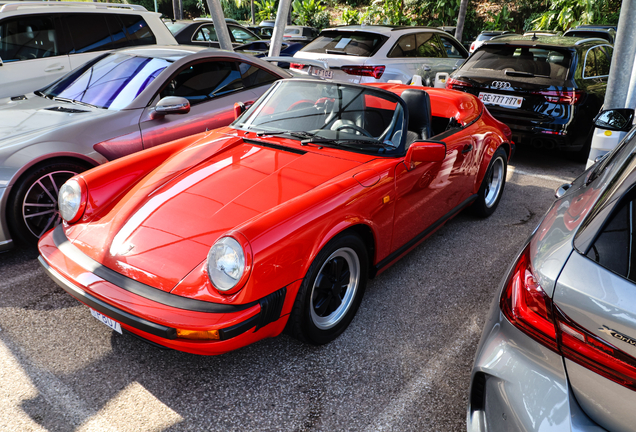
(41, 94)
(73, 101)
(296, 134)
(344, 141)
(524, 74)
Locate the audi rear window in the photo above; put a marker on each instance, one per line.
(346, 43)
(521, 61)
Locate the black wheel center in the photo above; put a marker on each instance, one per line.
(331, 286)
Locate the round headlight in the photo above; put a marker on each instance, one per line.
(69, 200)
(226, 263)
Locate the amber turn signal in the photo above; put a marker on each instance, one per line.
(198, 334)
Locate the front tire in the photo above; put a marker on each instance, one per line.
(492, 186)
(331, 292)
(32, 208)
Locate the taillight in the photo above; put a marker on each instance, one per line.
(296, 66)
(592, 352)
(564, 97)
(455, 84)
(372, 71)
(528, 307)
(472, 47)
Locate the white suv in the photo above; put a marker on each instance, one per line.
(363, 54)
(41, 41)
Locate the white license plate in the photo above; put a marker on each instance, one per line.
(501, 100)
(327, 74)
(109, 322)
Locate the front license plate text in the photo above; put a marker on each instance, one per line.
(108, 321)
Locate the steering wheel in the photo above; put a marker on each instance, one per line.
(355, 128)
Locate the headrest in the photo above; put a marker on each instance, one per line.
(419, 106)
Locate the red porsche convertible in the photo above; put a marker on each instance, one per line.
(212, 242)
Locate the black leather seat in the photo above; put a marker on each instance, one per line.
(419, 106)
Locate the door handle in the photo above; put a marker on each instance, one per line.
(467, 148)
(53, 68)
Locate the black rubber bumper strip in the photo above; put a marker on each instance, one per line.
(106, 309)
(136, 287)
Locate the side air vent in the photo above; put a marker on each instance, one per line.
(478, 392)
(66, 110)
(271, 307)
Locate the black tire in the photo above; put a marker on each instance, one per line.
(317, 316)
(38, 186)
(492, 186)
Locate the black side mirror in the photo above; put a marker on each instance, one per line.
(618, 119)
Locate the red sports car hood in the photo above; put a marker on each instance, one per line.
(160, 230)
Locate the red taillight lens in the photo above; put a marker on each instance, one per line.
(472, 47)
(592, 352)
(454, 84)
(372, 71)
(296, 66)
(527, 306)
(564, 97)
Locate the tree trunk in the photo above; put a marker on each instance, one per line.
(253, 13)
(460, 20)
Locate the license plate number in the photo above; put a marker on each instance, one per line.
(327, 74)
(108, 321)
(501, 100)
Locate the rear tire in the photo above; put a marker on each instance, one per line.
(32, 208)
(492, 186)
(331, 292)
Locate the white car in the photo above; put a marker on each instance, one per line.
(41, 41)
(364, 54)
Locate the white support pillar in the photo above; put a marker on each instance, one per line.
(279, 27)
(222, 33)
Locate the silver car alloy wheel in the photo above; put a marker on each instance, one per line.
(39, 208)
(494, 182)
(334, 288)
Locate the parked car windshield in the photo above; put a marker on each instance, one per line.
(327, 113)
(112, 82)
(346, 43)
(505, 59)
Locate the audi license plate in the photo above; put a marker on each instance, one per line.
(501, 100)
(327, 74)
(108, 321)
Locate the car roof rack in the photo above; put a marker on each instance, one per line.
(586, 40)
(6, 7)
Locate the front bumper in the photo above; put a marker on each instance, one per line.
(156, 315)
(518, 384)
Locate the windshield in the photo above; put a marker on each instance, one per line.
(354, 117)
(112, 82)
(346, 43)
(506, 60)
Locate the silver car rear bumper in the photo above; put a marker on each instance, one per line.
(518, 384)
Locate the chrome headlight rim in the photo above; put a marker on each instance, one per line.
(71, 200)
(220, 278)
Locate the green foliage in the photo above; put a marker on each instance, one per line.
(500, 21)
(311, 13)
(350, 16)
(565, 14)
(385, 12)
(266, 9)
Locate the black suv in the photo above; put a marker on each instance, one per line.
(546, 89)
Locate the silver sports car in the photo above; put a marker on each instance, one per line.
(117, 104)
(558, 351)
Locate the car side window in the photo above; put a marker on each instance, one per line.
(253, 76)
(404, 47)
(241, 35)
(89, 32)
(428, 46)
(614, 247)
(137, 30)
(205, 34)
(597, 62)
(452, 51)
(30, 37)
(201, 82)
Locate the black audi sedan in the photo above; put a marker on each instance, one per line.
(546, 89)
(201, 32)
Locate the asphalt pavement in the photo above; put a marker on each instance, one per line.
(403, 364)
